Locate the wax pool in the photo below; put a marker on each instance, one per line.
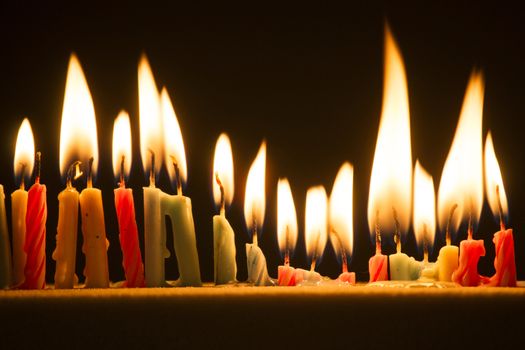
(18, 219)
(224, 265)
(178, 209)
(35, 243)
(5, 250)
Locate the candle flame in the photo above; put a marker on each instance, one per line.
(149, 118)
(173, 145)
(315, 230)
(462, 178)
(340, 211)
(286, 218)
(78, 131)
(223, 168)
(24, 151)
(493, 179)
(424, 208)
(255, 199)
(121, 145)
(391, 179)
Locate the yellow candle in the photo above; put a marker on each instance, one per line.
(447, 262)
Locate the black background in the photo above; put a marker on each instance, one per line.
(309, 83)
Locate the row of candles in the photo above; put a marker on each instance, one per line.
(396, 188)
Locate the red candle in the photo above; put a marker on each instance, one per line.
(377, 266)
(35, 243)
(286, 276)
(504, 262)
(470, 250)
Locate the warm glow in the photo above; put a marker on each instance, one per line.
(24, 151)
(78, 131)
(150, 118)
(341, 216)
(462, 177)
(391, 179)
(121, 144)
(173, 145)
(424, 207)
(493, 178)
(286, 217)
(315, 230)
(223, 168)
(254, 200)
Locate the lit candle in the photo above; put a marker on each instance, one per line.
(124, 205)
(341, 219)
(424, 218)
(460, 195)
(286, 232)
(224, 265)
(315, 232)
(390, 196)
(6, 269)
(23, 166)
(504, 261)
(150, 147)
(178, 207)
(254, 210)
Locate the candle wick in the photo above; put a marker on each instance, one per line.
(342, 250)
(287, 247)
(397, 232)
(177, 175)
(90, 173)
(425, 243)
(447, 232)
(152, 169)
(221, 188)
(38, 165)
(469, 230)
(314, 257)
(122, 182)
(500, 210)
(254, 232)
(22, 180)
(378, 234)
(73, 173)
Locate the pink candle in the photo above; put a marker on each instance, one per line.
(378, 264)
(504, 262)
(129, 238)
(470, 250)
(35, 243)
(286, 276)
(347, 277)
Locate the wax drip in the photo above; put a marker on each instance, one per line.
(38, 166)
(287, 247)
(73, 173)
(122, 182)
(397, 232)
(221, 188)
(447, 232)
(378, 234)
(90, 173)
(177, 175)
(152, 169)
(22, 180)
(342, 250)
(500, 210)
(314, 256)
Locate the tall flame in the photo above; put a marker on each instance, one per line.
(149, 118)
(494, 180)
(173, 144)
(24, 151)
(78, 131)
(341, 216)
(286, 218)
(255, 199)
(424, 207)
(223, 169)
(121, 145)
(315, 230)
(462, 179)
(391, 179)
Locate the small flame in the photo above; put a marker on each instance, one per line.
(391, 179)
(121, 145)
(315, 230)
(223, 168)
(173, 144)
(149, 118)
(78, 131)
(462, 178)
(24, 151)
(286, 218)
(341, 215)
(255, 200)
(424, 207)
(493, 179)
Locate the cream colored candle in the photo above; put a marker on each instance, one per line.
(5, 251)
(154, 238)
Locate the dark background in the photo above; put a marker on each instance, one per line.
(308, 83)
